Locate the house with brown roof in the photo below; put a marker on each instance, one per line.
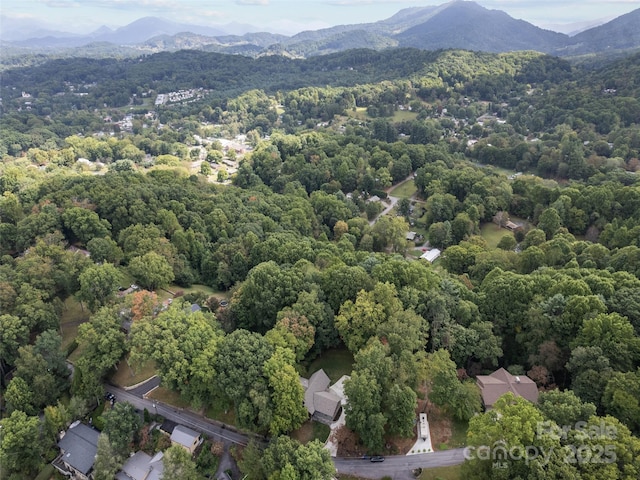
(498, 383)
(511, 226)
(322, 403)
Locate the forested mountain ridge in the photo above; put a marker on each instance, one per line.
(619, 34)
(457, 24)
(113, 81)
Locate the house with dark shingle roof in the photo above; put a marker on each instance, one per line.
(498, 383)
(78, 448)
(321, 402)
(167, 427)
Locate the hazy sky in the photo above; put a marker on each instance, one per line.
(286, 16)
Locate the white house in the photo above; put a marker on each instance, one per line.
(431, 255)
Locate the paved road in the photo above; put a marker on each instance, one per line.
(178, 415)
(399, 467)
(396, 467)
(144, 388)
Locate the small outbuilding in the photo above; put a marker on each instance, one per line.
(511, 226)
(185, 437)
(431, 255)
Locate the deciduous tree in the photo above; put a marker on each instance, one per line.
(105, 250)
(287, 395)
(363, 414)
(151, 270)
(179, 464)
(121, 425)
(103, 346)
(462, 400)
(184, 345)
(621, 398)
(511, 425)
(564, 407)
(267, 289)
(20, 445)
(14, 333)
(240, 363)
(614, 334)
(84, 224)
(107, 461)
(98, 285)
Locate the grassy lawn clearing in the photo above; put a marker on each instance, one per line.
(405, 190)
(458, 434)
(311, 430)
(167, 292)
(95, 415)
(492, 233)
(403, 116)
(222, 411)
(127, 279)
(127, 377)
(169, 397)
(335, 363)
(72, 317)
(47, 472)
(360, 113)
(198, 288)
(442, 473)
(76, 353)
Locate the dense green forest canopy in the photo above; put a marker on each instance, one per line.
(294, 241)
(106, 80)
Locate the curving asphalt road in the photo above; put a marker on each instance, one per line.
(396, 467)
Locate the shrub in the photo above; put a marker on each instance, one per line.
(71, 348)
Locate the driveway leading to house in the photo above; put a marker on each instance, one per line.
(393, 200)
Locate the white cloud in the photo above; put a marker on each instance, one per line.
(114, 4)
(372, 2)
(252, 2)
(61, 3)
(210, 14)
